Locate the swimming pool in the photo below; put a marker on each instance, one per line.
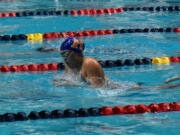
(33, 91)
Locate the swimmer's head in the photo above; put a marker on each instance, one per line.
(72, 44)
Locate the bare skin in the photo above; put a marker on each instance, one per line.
(90, 70)
(168, 86)
(172, 79)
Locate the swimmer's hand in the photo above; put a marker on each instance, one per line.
(64, 83)
(95, 86)
(61, 84)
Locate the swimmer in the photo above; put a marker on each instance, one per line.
(90, 70)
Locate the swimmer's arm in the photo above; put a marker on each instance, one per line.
(62, 84)
(168, 86)
(171, 79)
(95, 82)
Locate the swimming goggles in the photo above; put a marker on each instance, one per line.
(65, 54)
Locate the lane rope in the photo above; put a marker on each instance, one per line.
(55, 35)
(73, 12)
(104, 64)
(93, 111)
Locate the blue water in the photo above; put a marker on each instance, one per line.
(34, 90)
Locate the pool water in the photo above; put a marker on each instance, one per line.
(33, 91)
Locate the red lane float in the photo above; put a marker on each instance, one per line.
(86, 11)
(73, 12)
(79, 34)
(101, 32)
(47, 35)
(55, 35)
(107, 11)
(43, 67)
(92, 12)
(176, 29)
(4, 14)
(120, 10)
(118, 110)
(100, 11)
(86, 33)
(12, 14)
(108, 31)
(5, 68)
(23, 68)
(14, 68)
(154, 107)
(141, 108)
(107, 110)
(129, 109)
(63, 34)
(164, 107)
(31, 67)
(174, 59)
(94, 32)
(175, 106)
(80, 12)
(70, 34)
(53, 66)
(113, 10)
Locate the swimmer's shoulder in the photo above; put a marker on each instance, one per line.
(89, 60)
(91, 66)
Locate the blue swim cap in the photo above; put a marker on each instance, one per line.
(73, 44)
